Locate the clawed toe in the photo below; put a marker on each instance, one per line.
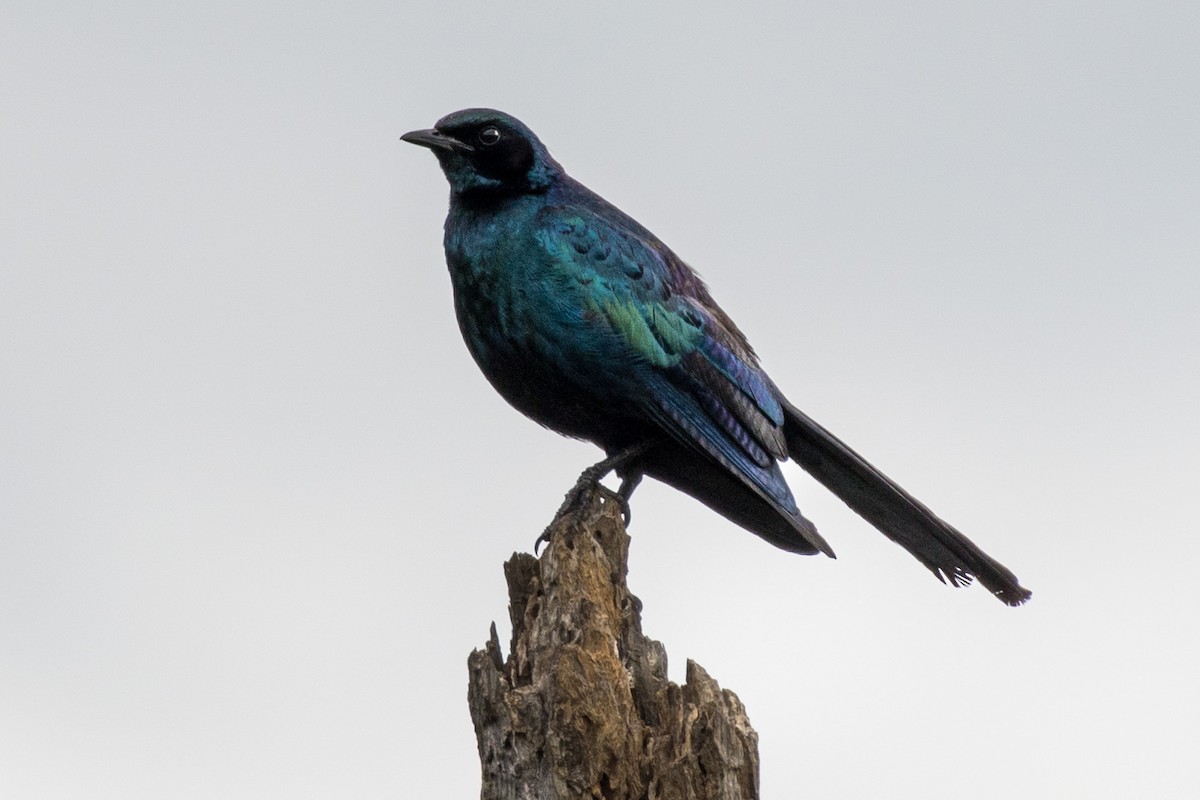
(589, 479)
(544, 538)
(629, 483)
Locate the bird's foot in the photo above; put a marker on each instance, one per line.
(590, 479)
(628, 484)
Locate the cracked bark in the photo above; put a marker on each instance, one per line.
(582, 707)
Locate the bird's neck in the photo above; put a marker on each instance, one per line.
(494, 197)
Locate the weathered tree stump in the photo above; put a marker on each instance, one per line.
(582, 707)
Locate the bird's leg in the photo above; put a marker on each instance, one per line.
(590, 478)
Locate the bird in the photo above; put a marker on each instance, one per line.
(586, 322)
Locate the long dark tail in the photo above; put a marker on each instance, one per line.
(897, 514)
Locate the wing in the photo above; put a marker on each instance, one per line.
(697, 378)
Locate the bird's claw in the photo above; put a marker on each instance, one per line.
(626, 511)
(589, 480)
(629, 483)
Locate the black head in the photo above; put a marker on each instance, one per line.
(488, 152)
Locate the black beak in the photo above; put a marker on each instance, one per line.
(435, 140)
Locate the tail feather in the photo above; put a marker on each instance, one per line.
(945, 551)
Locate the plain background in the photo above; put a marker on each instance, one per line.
(255, 496)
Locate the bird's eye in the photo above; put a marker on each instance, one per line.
(489, 136)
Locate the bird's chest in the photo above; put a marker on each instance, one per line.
(522, 318)
(501, 292)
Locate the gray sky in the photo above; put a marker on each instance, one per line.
(255, 496)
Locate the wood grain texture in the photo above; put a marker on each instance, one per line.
(581, 707)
